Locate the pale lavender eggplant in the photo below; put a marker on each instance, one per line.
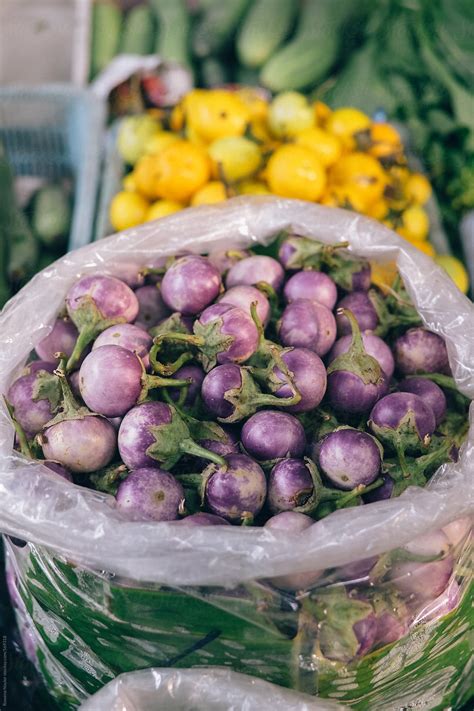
(237, 490)
(31, 414)
(423, 581)
(62, 339)
(382, 492)
(191, 372)
(216, 384)
(309, 376)
(135, 433)
(36, 365)
(348, 458)
(244, 296)
(347, 392)
(115, 422)
(130, 274)
(111, 296)
(224, 259)
(255, 269)
(362, 279)
(374, 346)
(228, 445)
(390, 414)
(286, 252)
(420, 351)
(361, 306)
(110, 380)
(270, 434)
(312, 285)
(73, 379)
(308, 324)
(289, 485)
(204, 519)
(152, 309)
(128, 336)
(429, 392)
(150, 493)
(82, 445)
(190, 284)
(292, 522)
(390, 628)
(234, 324)
(58, 469)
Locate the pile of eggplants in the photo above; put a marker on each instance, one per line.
(240, 388)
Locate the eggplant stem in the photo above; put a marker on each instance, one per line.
(189, 446)
(20, 432)
(170, 368)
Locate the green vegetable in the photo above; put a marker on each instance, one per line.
(51, 215)
(213, 72)
(173, 30)
(106, 28)
(217, 25)
(138, 31)
(263, 29)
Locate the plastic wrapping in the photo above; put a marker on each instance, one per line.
(212, 582)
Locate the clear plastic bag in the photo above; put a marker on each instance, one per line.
(217, 580)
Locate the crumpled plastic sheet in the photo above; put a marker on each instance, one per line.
(85, 526)
(199, 690)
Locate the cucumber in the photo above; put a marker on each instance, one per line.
(51, 215)
(106, 28)
(213, 72)
(217, 25)
(172, 40)
(264, 28)
(306, 59)
(138, 31)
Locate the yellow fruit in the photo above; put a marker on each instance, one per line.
(344, 123)
(159, 141)
(177, 118)
(129, 182)
(174, 174)
(321, 112)
(329, 199)
(209, 194)
(213, 114)
(162, 208)
(289, 113)
(378, 210)
(234, 158)
(359, 180)
(254, 101)
(327, 147)
(133, 135)
(385, 140)
(455, 269)
(127, 210)
(415, 223)
(253, 187)
(383, 275)
(423, 245)
(295, 172)
(418, 189)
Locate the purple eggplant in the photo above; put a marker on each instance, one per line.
(256, 269)
(195, 375)
(58, 469)
(94, 303)
(224, 440)
(390, 628)
(244, 296)
(112, 380)
(190, 284)
(421, 351)
(427, 575)
(149, 493)
(292, 523)
(35, 365)
(62, 339)
(355, 379)
(348, 458)
(34, 399)
(356, 571)
(204, 519)
(130, 274)
(373, 345)
(270, 434)
(429, 392)
(308, 374)
(289, 485)
(237, 490)
(224, 259)
(308, 324)
(128, 336)
(227, 335)
(312, 285)
(382, 492)
(364, 312)
(152, 308)
(154, 432)
(296, 252)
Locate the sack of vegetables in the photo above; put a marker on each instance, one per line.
(256, 459)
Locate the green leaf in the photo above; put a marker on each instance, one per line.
(47, 387)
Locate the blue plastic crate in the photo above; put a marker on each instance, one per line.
(55, 131)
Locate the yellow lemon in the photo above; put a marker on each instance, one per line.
(162, 208)
(296, 172)
(327, 147)
(455, 268)
(209, 194)
(234, 158)
(127, 210)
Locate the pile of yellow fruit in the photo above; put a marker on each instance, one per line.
(220, 143)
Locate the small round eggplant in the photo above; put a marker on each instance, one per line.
(312, 285)
(308, 324)
(190, 284)
(224, 259)
(289, 485)
(152, 308)
(244, 296)
(204, 519)
(421, 351)
(254, 270)
(128, 336)
(403, 421)
(270, 434)
(373, 345)
(348, 458)
(237, 490)
(62, 339)
(150, 494)
(364, 312)
(81, 445)
(34, 399)
(429, 392)
(309, 378)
